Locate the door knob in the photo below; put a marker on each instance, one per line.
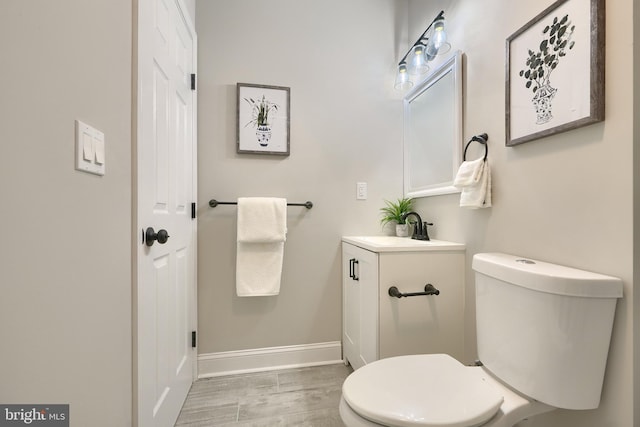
(151, 236)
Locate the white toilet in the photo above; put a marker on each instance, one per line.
(543, 338)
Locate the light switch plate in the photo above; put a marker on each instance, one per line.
(90, 149)
(361, 191)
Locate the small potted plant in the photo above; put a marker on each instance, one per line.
(394, 212)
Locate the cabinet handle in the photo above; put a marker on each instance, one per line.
(352, 269)
(429, 289)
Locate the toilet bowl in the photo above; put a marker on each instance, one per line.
(543, 334)
(432, 390)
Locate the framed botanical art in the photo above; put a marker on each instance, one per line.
(263, 119)
(555, 71)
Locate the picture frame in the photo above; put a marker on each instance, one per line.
(263, 116)
(555, 71)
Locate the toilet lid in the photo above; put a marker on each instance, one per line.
(431, 390)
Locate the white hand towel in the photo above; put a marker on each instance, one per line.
(262, 227)
(478, 195)
(469, 173)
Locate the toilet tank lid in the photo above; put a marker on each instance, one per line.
(545, 277)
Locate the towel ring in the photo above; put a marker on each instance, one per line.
(482, 139)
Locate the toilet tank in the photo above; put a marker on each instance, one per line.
(545, 329)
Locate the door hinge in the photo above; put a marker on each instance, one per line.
(193, 210)
(193, 339)
(193, 82)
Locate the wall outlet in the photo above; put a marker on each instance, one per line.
(361, 190)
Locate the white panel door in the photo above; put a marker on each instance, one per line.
(166, 153)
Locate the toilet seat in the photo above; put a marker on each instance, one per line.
(432, 390)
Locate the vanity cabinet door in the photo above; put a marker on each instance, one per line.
(360, 305)
(368, 275)
(350, 305)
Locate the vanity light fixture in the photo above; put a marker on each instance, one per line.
(415, 62)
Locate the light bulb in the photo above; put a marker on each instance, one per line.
(417, 62)
(438, 43)
(402, 78)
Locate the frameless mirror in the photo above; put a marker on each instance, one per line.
(433, 131)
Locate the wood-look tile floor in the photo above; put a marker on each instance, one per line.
(292, 397)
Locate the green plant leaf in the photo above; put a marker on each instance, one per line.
(394, 211)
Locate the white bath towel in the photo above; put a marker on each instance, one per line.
(262, 219)
(477, 193)
(259, 269)
(262, 227)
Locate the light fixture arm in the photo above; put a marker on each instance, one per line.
(422, 38)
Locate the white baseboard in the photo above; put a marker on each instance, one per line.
(268, 359)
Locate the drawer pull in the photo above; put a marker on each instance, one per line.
(429, 289)
(352, 269)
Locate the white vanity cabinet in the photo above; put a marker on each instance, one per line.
(376, 325)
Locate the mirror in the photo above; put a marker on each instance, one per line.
(433, 131)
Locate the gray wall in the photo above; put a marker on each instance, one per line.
(345, 127)
(567, 199)
(636, 220)
(65, 265)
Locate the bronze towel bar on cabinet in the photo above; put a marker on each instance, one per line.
(429, 289)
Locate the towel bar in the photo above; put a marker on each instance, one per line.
(213, 203)
(429, 289)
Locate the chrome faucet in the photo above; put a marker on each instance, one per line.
(420, 233)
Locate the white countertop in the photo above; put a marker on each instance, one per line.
(401, 244)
